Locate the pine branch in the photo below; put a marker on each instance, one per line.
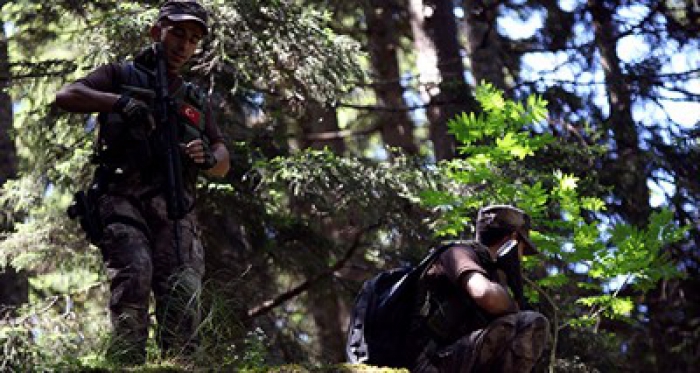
(334, 135)
(269, 304)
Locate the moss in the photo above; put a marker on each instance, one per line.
(169, 367)
(337, 368)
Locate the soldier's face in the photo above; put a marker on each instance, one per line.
(180, 41)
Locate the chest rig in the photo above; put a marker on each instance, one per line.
(126, 149)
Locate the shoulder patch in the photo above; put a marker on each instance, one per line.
(191, 113)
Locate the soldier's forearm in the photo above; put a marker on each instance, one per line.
(490, 296)
(79, 98)
(503, 303)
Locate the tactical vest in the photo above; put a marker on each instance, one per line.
(125, 149)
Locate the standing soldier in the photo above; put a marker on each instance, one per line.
(128, 210)
(477, 320)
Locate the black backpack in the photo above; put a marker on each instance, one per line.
(383, 315)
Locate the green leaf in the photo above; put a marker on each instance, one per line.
(592, 203)
(567, 182)
(554, 281)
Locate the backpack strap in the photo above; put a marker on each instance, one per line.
(195, 95)
(418, 271)
(433, 254)
(134, 75)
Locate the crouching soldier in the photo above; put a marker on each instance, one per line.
(474, 324)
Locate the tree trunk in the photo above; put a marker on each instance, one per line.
(318, 125)
(483, 42)
(320, 129)
(395, 125)
(629, 167)
(14, 285)
(629, 175)
(8, 165)
(441, 71)
(326, 306)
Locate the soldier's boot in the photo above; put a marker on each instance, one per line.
(127, 346)
(179, 317)
(121, 353)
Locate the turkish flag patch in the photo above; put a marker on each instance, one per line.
(192, 114)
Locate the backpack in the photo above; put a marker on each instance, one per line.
(383, 315)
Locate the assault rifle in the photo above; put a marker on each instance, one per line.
(169, 145)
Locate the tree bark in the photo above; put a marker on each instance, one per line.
(629, 175)
(629, 170)
(324, 302)
(484, 45)
(320, 118)
(441, 70)
(396, 127)
(14, 285)
(327, 309)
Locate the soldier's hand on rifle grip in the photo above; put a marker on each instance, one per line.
(200, 154)
(134, 111)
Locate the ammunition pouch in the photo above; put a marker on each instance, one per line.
(124, 145)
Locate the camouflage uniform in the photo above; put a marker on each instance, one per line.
(511, 343)
(137, 238)
(138, 250)
(138, 246)
(146, 244)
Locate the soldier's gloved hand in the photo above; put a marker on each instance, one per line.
(201, 154)
(133, 110)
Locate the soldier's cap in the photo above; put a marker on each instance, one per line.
(184, 10)
(508, 218)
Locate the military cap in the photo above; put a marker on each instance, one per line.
(506, 217)
(183, 10)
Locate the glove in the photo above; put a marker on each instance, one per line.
(198, 149)
(133, 110)
(209, 159)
